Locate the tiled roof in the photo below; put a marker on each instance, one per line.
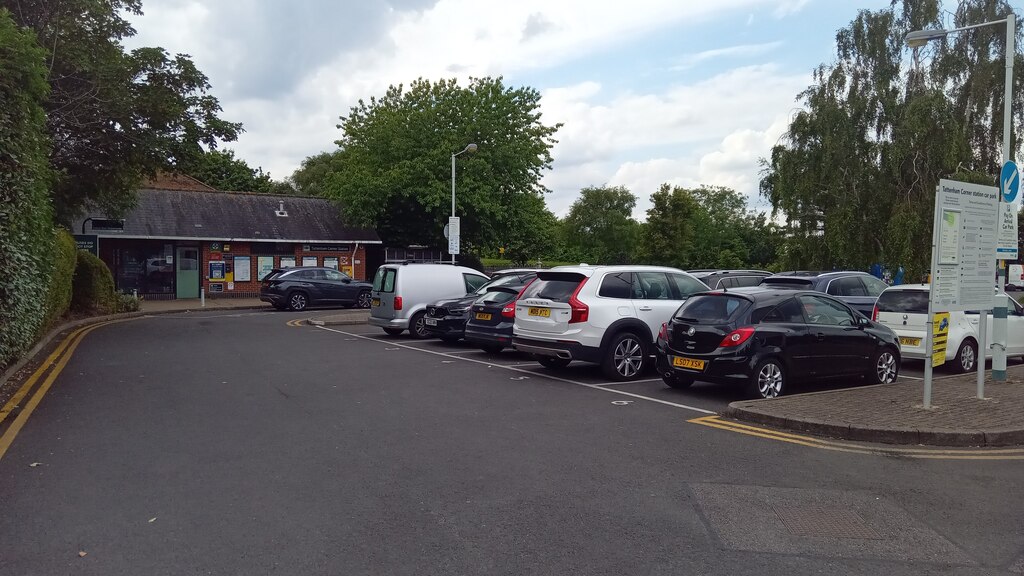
(236, 216)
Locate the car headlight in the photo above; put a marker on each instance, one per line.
(458, 310)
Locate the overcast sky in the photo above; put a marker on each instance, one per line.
(682, 91)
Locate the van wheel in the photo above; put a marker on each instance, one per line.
(553, 363)
(393, 331)
(418, 326)
(625, 358)
(966, 356)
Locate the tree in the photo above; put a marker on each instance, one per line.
(311, 179)
(667, 238)
(393, 169)
(600, 229)
(220, 169)
(856, 172)
(115, 117)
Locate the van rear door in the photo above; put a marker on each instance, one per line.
(382, 304)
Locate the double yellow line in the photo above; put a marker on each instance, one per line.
(812, 442)
(56, 360)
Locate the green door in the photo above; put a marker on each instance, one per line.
(187, 267)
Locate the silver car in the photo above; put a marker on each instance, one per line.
(401, 293)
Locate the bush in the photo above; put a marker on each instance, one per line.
(58, 294)
(93, 287)
(125, 303)
(471, 261)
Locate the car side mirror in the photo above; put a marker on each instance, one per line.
(863, 322)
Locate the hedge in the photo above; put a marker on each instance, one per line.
(26, 216)
(93, 286)
(58, 296)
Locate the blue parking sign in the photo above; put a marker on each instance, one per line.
(1009, 181)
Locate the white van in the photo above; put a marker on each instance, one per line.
(401, 293)
(1016, 279)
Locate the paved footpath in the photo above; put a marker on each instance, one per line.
(893, 413)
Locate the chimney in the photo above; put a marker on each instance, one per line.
(281, 212)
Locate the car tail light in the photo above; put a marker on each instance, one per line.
(737, 337)
(580, 311)
(874, 313)
(398, 303)
(663, 333)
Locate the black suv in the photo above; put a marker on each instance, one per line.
(446, 319)
(299, 288)
(858, 289)
(719, 279)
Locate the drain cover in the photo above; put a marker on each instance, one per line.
(814, 521)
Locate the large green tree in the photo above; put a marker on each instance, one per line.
(222, 170)
(667, 237)
(600, 228)
(856, 172)
(393, 168)
(115, 117)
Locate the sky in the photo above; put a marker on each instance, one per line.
(687, 92)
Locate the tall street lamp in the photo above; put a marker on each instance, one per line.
(470, 148)
(919, 38)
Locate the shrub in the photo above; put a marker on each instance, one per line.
(471, 261)
(58, 294)
(125, 303)
(93, 286)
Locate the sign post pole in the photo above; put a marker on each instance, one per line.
(936, 224)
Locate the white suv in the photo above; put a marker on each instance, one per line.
(608, 315)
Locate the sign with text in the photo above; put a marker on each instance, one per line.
(964, 266)
(88, 242)
(218, 271)
(325, 248)
(1007, 247)
(453, 235)
(940, 334)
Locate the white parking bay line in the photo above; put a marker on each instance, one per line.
(628, 382)
(530, 372)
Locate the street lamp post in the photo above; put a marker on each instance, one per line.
(919, 38)
(470, 148)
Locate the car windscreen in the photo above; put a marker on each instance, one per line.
(554, 286)
(787, 283)
(905, 301)
(712, 309)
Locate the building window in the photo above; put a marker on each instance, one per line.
(147, 268)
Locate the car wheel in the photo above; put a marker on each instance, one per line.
(769, 379)
(625, 358)
(966, 356)
(553, 363)
(418, 327)
(677, 381)
(492, 348)
(885, 368)
(297, 301)
(363, 300)
(393, 331)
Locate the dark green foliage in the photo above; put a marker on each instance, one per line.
(114, 117)
(220, 169)
(26, 224)
(600, 228)
(855, 175)
(93, 287)
(470, 261)
(64, 259)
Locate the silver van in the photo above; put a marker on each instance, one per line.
(401, 293)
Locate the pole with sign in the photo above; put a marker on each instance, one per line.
(1009, 188)
(940, 335)
(453, 237)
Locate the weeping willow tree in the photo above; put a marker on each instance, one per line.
(854, 176)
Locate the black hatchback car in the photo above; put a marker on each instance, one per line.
(447, 319)
(492, 317)
(766, 339)
(858, 289)
(299, 288)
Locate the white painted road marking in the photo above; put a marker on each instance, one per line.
(521, 371)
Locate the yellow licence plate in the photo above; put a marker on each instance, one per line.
(691, 363)
(375, 302)
(545, 312)
(482, 316)
(909, 341)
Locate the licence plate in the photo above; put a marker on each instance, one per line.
(545, 312)
(430, 321)
(904, 341)
(375, 302)
(691, 363)
(482, 316)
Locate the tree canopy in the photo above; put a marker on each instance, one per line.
(600, 228)
(115, 117)
(222, 170)
(392, 170)
(855, 173)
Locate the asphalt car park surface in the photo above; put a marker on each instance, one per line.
(246, 444)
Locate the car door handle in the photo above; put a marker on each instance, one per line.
(645, 308)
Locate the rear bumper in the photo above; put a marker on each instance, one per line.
(489, 335)
(717, 369)
(565, 350)
(272, 297)
(402, 323)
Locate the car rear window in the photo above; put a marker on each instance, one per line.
(498, 296)
(906, 301)
(791, 283)
(712, 309)
(555, 286)
(506, 280)
(384, 280)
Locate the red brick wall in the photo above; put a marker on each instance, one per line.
(252, 288)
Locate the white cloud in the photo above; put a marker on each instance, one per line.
(788, 7)
(738, 51)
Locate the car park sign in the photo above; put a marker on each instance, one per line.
(1009, 181)
(940, 333)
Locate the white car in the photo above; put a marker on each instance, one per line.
(607, 315)
(905, 309)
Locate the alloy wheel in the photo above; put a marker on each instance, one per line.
(769, 380)
(297, 302)
(629, 357)
(967, 358)
(363, 300)
(886, 368)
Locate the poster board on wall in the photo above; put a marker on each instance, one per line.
(243, 269)
(264, 264)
